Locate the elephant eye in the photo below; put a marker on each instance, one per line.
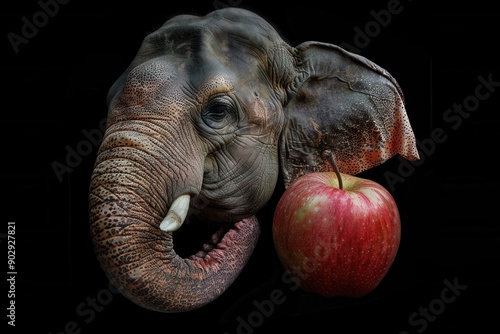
(219, 112)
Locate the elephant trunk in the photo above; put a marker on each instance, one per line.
(128, 202)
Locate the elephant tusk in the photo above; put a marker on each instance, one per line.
(176, 214)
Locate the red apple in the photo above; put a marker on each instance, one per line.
(336, 242)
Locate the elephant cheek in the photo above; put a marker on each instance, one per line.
(233, 191)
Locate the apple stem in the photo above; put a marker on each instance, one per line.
(329, 156)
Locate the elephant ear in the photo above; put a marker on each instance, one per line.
(346, 104)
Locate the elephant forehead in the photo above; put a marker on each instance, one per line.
(191, 58)
(228, 22)
(232, 33)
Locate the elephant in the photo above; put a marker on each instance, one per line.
(202, 124)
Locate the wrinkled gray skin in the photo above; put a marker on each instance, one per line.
(214, 108)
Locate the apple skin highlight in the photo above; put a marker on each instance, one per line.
(336, 242)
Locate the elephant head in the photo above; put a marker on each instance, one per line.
(200, 125)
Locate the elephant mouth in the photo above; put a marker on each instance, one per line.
(212, 237)
(190, 231)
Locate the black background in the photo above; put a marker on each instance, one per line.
(55, 87)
